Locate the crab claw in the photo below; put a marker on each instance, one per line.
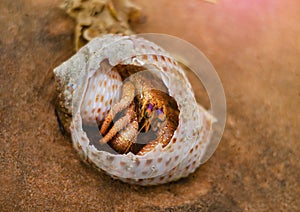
(120, 124)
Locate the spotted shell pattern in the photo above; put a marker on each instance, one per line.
(161, 165)
(103, 91)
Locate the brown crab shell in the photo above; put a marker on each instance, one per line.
(188, 145)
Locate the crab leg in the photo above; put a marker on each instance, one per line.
(125, 138)
(126, 99)
(120, 124)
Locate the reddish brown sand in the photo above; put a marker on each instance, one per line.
(255, 48)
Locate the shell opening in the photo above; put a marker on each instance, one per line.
(127, 108)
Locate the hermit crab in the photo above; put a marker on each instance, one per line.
(132, 110)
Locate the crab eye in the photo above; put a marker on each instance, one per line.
(161, 115)
(149, 110)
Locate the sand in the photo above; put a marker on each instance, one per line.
(255, 48)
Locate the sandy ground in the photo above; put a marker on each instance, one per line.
(255, 48)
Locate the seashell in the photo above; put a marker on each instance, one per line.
(89, 87)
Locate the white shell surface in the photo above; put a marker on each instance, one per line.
(103, 91)
(188, 144)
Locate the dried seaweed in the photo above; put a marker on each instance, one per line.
(98, 17)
